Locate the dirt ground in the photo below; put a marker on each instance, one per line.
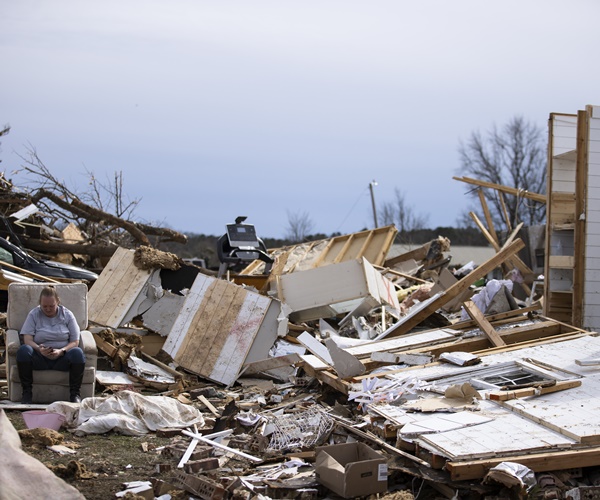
(105, 461)
(102, 463)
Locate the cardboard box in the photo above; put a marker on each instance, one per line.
(351, 469)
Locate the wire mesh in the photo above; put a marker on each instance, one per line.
(302, 429)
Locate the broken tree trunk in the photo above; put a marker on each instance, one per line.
(138, 231)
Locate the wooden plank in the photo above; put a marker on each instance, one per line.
(561, 261)
(485, 326)
(205, 338)
(488, 216)
(104, 346)
(27, 273)
(240, 338)
(540, 198)
(538, 462)
(514, 260)
(460, 286)
(561, 385)
(416, 254)
(579, 242)
(504, 210)
(328, 378)
(209, 405)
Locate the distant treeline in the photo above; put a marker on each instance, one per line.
(205, 246)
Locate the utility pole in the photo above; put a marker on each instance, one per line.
(373, 183)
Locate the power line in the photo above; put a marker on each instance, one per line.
(351, 209)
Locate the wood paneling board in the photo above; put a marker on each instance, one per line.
(217, 327)
(124, 282)
(206, 337)
(102, 289)
(574, 413)
(373, 244)
(182, 323)
(564, 132)
(506, 433)
(239, 339)
(591, 284)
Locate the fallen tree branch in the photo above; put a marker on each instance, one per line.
(100, 250)
(79, 208)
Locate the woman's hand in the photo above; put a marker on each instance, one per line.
(50, 353)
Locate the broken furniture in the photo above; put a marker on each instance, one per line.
(48, 385)
(241, 244)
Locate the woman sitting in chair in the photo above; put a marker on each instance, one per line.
(50, 342)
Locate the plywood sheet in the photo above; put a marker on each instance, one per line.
(116, 289)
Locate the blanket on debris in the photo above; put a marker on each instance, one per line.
(128, 413)
(21, 474)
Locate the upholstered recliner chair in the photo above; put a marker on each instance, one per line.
(48, 385)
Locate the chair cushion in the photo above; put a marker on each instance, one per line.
(23, 297)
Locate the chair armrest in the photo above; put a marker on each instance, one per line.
(88, 344)
(13, 342)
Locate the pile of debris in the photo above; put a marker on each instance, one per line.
(342, 369)
(341, 360)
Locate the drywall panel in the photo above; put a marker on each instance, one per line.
(308, 292)
(408, 341)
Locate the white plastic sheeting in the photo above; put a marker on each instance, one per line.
(128, 413)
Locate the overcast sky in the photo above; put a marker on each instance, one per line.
(266, 108)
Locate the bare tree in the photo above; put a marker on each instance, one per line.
(299, 226)
(102, 212)
(400, 213)
(513, 156)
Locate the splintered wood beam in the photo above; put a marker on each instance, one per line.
(485, 326)
(540, 462)
(455, 290)
(488, 236)
(512, 235)
(487, 215)
(540, 198)
(514, 260)
(504, 210)
(104, 346)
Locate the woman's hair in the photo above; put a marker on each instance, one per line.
(49, 291)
